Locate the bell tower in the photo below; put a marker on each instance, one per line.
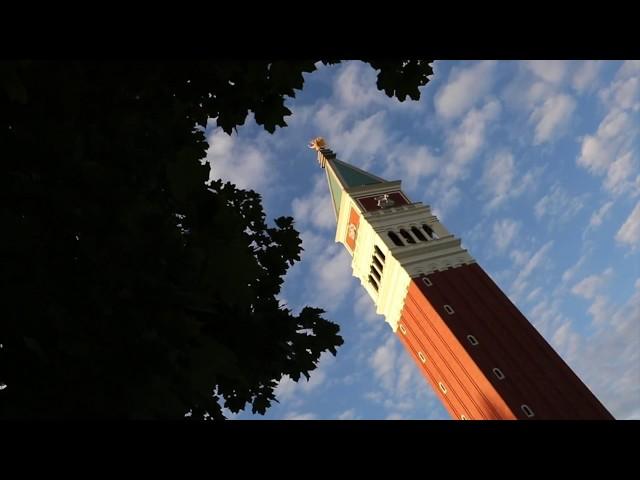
(481, 356)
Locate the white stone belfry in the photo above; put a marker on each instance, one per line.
(399, 263)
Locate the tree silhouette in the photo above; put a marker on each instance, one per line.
(130, 288)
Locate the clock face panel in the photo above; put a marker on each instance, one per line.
(352, 229)
(387, 200)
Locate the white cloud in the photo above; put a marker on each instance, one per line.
(464, 89)
(519, 257)
(241, 163)
(404, 389)
(589, 286)
(366, 138)
(347, 415)
(620, 174)
(330, 119)
(537, 92)
(330, 279)
(444, 198)
(287, 389)
(364, 308)
(600, 310)
(610, 151)
(499, 180)
(629, 68)
(383, 362)
(552, 117)
(586, 75)
(394, 416)
(570, 272)
(629, 232)
(598, 216)
(608, 360)
(315, 208)
(466, 141)
(534, 294)
(410, 163)
(504, 232)
(355, 88)
(558, 205)
(623, 94)
(520, 282)
(300, 416)
(551, 71)
(599, 151)
(498, 176)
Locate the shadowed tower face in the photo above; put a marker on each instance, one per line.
(481, 356)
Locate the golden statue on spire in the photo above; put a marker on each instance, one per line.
(318, 144)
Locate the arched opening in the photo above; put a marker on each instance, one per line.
(375, 273)
(418, 234)
(395, 239)
(429, 231)
(407, 236)
(373, 282)
(377, 263)
(379, 253)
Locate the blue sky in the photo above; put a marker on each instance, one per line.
(535, 165)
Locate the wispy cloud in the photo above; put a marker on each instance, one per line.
(504, 232)
(608, 361)
(629, 232)
(500, 182)
(586, 76)
(551, 71)
(411, 163)
(466, 141)
(332, 280)
(300, 416)
(243, 163)
(520, 282)
(558, 205)
(464, 89)
(552, 117)
(287, 389)
(610, 150)
(590, 286)
(598, 216)
(347, 415)
(403, 387)
(315, 208)
(570, 272)
(498, 176)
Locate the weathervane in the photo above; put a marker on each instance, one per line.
(320, 146)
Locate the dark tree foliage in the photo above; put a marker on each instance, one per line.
(130, 289)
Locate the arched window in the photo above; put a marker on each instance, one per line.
(373, 282)
(527, 410)
(395, 239)
(377, 263)
(429, 231)
(375, 273)
(407, 236)
(418, 234)
(379, 252)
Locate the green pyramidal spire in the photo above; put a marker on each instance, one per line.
(340, 175)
